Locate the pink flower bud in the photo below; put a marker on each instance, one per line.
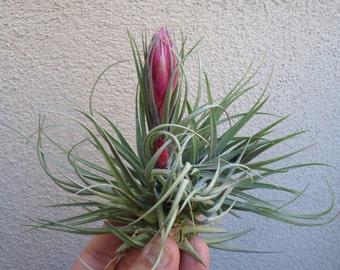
(163, 158)
(161, 63)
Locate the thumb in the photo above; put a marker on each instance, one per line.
(168, 261)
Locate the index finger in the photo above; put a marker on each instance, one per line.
(99, 253)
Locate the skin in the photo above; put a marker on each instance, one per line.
(99, 254)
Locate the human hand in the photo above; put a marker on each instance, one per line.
(99, 254)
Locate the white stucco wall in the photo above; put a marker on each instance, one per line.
(52, 49)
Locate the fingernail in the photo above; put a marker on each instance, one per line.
(152, 250)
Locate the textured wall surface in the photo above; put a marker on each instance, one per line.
(55, 49)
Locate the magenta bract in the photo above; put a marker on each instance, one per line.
(161, 71)
(163, 158)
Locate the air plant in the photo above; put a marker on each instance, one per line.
(191, 166)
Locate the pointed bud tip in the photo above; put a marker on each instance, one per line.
(161, 64)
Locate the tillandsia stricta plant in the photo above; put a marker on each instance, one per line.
(191, 166)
